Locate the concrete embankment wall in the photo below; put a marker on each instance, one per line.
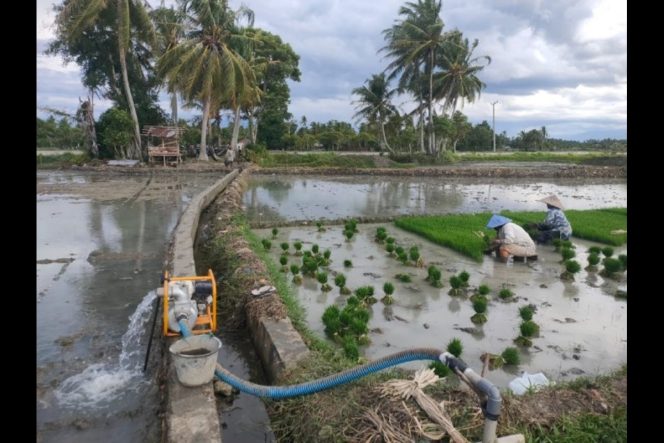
(192, 412)
(192, 415)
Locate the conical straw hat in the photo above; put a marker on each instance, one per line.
(553, 201)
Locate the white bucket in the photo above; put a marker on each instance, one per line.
(195, 358)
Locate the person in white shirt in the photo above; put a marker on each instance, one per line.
(511, 239)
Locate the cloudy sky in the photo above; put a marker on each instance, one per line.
(560, 64)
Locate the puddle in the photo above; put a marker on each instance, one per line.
(283, 197)
(583, 326)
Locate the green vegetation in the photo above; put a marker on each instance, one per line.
(505, 293)
(593, 259)
(526, 313)
(455, 347)
(61, 161)
(439, 369)
(433, 276)
(275, 231)
(320, 227)
(298, 247)
(568, 253)
(611, 267)
(583, 428)
(284, 247)
(484, 290)
(480, 307)
(404, 278)
(348, 264)
(511, 356)
(315, 160)
(521, 156)
(529, 328)
(267, 244)
(607, 251)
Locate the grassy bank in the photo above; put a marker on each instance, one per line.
(61, 161)
(555, 157)
(458, 231)
(314, 160)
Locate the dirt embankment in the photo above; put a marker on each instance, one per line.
(512, 169)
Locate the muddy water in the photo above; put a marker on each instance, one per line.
(583, 326)
(94, 304)
(281, 197)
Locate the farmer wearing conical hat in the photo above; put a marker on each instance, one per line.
(555, 224)
(511, 239)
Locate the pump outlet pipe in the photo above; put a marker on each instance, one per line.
(489, 395)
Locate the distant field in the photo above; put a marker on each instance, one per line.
(49, 151)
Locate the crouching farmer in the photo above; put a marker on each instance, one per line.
(511, 239)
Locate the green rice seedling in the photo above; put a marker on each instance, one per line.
(484, 290)
(284, 247)
(403, 258)
(331, 320)
(340, 280)
(622, 258)
(456, 283)
(464, 276)
(529, 328)
(320, 227)
(390, 248)
(595, 250)
(309, 266)
(267, 244)
(621, 294)
(349, 234)
(404, 278)
(439, 369)
(611, 267)
(381, 234)
(327, 254)
(607, 251)
(308, 254)
(297, 279)
(523, 341)
(435, 277)
(358, 326)
(371, 300)
(348, 264)
(298, 247)
(361, 293)
(390, 240)
(455, 347)
(415, 257)
(353, 301)
(351, 349)
(593, 260)
(322, 279)
(568, 254)
(511, 356)
(388, 288)
(571, 268)
(567, 244)
(283, 260)
(315, 249)
(399, 250)
(295, 269)
(275, 231)
(387, 300)
(480, 307)
(505, 293)
(370, 290)
(557, 243)
(526, 313)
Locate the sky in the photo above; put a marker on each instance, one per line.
(560, 64)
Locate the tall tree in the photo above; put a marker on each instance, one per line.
(374, 104)
(204, 66)
(77, 18)
(414, 41)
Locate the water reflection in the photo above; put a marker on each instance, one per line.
(292, 198)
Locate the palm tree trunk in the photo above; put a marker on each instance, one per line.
(136, 152)
(236, 132)
(253, 127)
(174, 108)
(202, 156)
(90, 130)
(384, 138)
(432, 138)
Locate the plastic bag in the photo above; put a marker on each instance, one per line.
(520, 385)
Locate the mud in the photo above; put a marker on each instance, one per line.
(580, 318)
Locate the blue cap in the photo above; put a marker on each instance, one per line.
(497, 220)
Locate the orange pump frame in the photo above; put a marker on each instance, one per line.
(206, 322)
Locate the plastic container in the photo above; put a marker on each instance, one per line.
(520, 385)
(195, 358)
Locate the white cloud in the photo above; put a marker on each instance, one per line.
(560, 64)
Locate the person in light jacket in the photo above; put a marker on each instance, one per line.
(511, 239)
(555, 224)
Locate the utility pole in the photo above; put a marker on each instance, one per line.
(493, 105)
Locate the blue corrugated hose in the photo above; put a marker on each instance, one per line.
(279, 392)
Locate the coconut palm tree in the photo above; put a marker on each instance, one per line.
(374, 104)
(415, 41)
(458, 79)
(77, 16)
(169, 26)
(204, 66)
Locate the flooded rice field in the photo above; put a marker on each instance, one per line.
(583, 325)
(101, 246)
(281, 198)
